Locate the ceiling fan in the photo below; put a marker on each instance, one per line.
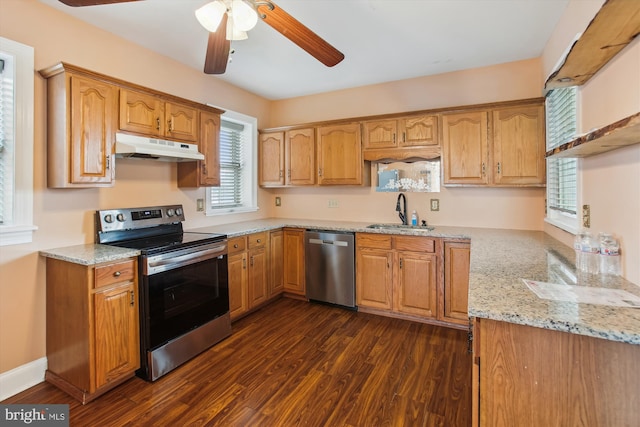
(228, 20)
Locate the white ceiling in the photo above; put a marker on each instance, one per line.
(382, 40)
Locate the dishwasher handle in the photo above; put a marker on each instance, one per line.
(328, 242)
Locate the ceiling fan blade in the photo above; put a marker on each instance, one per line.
(295, 31)
(218, 49)
(79, 3)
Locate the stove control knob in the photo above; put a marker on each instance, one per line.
(170, 213)
(179, 211)
(108, 218)
(120, 217)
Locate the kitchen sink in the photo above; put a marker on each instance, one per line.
(401, 227)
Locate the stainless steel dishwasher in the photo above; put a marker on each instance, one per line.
(330, 267)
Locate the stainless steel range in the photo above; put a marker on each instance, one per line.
(183, 280)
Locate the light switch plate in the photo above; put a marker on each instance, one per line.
(278, 201)
(586, 216)
(333, 203)
(435, 204)
(200, 205)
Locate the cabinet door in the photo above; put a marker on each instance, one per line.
(339, 155)
(116, 329)
(465, 148)
(418, 131)
(92, 131)
(300, 154)
(380, 134)
(519, 145)
(182, 122)
(294, 261)
(271, 148)
(456, 282)
(415, 291)
(205, 173)
(258, 292)
(238, 299)
(276, 263)
(374, 278)
(141, 113)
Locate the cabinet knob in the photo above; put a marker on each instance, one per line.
(117, 274)
(258, 241)
(235, 246)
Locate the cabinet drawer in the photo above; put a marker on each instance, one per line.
(237, 244)
(418, 244)
(257, 240)
(115, 273)
(376, 241)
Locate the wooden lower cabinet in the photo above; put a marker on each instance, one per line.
(416, 285)
(396, 274)
(247, 264)
(401, 276)
(92, 326)
(456, 282)
(531, 376)
(276, 263)
(294, 282)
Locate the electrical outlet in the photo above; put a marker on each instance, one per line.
(586, 216)
(435, 204)
(333, 203)
(200, 205)
(278, 201)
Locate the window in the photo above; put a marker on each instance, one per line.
(238, 177)
(16, 143)
(562, 125)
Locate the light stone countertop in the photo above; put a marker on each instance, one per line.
(90, 254)
(500, 259)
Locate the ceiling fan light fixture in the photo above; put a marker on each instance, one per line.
(210, 15)
(244, 16)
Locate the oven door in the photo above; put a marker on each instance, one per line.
(182, 290)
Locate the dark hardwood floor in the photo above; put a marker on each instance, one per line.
(298, 364)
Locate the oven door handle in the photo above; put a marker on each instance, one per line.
(165, 263)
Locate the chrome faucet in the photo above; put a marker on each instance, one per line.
(402, 210)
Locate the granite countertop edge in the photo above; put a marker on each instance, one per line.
(499, 260)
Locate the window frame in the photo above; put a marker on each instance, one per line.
(251, 163)
(21, 228)
(565, 220)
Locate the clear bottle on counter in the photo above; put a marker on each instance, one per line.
(590, 248)
(609, 255)
(577, 246)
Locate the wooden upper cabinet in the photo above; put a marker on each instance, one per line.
(300, 148)
(141, 113)
(204, 173)
(150, 115)
(418, 131)
(80, 131)
(271, 152)
(412, 131)
(465, 148)
(339, 155)
(92, 131)
(380, 134)
(519, 145)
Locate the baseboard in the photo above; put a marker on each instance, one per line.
(21, 378)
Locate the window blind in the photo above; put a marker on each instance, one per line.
(232, 144)
(6, 142)
(561, 108)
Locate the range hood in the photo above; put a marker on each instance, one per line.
(156, 149)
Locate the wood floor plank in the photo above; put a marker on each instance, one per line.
(294, 363)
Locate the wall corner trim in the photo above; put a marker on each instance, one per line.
(21, 378)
